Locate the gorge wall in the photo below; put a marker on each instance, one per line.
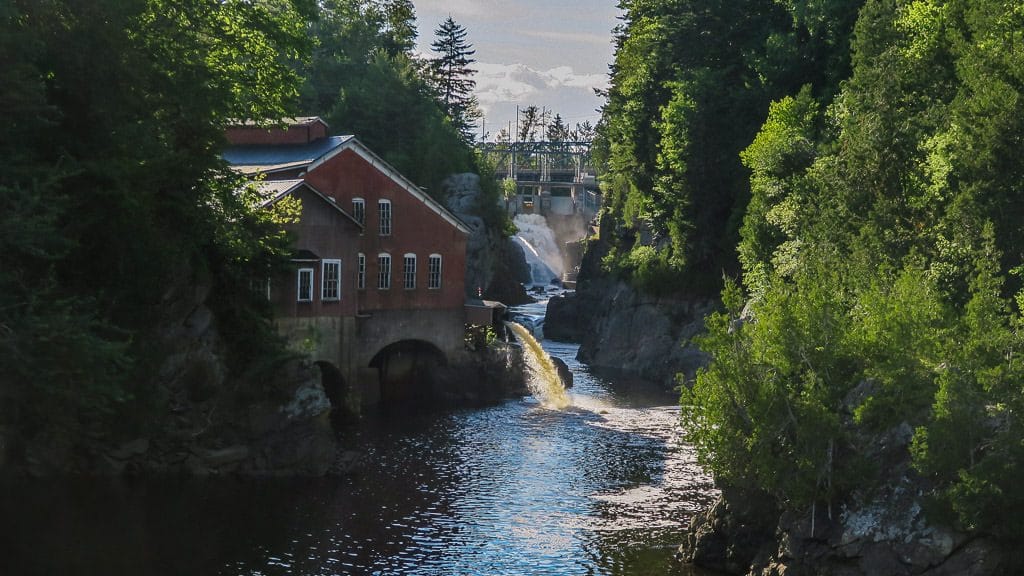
(622, 329)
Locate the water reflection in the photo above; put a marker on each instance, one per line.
(602, 487)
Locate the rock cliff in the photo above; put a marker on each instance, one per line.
(879, 529)
(495, 265)
(201, 420)
(888, 533)
(620, 328)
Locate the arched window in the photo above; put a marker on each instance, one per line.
(383, 271)
(434, 272)
(359, 210)
(384, 209)
(409, 271)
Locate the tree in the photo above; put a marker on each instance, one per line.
(115, 197)
(529, 123)
(389, 92)
(686, 96)
(347, 34)
(557, 131)
(453, 76)
(399, 26)
(583, 132)
(882, 245)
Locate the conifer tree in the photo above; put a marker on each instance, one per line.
(557, 131)
(453, 76)
(399, 26)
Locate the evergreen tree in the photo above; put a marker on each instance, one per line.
(453, 76)
(399, 26)
(529, 122)
(557, 131)
(583, 132)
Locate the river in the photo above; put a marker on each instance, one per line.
(602, 487)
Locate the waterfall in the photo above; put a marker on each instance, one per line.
(541, 248)
(543, 380)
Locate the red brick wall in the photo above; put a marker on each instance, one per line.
(415, 228)
(330, 235)
(317, 130)
(297, 134)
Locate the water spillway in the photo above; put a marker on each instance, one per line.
(540, 247)
(543, 381)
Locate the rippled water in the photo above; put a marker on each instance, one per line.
(603, 487)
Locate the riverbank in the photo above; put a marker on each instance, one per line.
(602, 487)
(624, 330)
(887, 527)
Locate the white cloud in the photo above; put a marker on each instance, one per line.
(521, 83)
(461, 9)
(502, 87)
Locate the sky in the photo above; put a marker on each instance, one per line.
(547, 53)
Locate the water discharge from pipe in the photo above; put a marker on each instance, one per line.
(543, 380)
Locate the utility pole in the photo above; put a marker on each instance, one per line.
(515, 161)
(509, 143)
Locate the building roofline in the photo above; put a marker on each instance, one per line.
(379, 163)
(296, 184)
(289, 121)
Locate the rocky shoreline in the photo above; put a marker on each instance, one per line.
(885, 533)
(623, 330)
(880, 530)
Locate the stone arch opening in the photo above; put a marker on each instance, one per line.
(406, 370)
(333, 382)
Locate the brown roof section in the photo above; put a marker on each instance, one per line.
(296, 131)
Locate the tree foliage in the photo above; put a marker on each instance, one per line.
(114, 194)
(453, 76)
(364, 80)
(691, 84)
(880, 248)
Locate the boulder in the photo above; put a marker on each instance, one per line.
(562, 320)
(564, 374)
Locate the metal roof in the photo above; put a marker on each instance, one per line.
(290, 121)
(277, 189)
(271, 157)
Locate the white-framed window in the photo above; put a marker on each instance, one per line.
(384, 210)
(359, 210)
(434, 272)
(361, 272)
(409, 271)
(304, 289)
(330, 280)
(383, 271)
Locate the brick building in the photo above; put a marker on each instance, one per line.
(378, 289)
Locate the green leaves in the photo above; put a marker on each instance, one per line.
(113, 117)
(453, 78)
(779, 210)
(878, 247)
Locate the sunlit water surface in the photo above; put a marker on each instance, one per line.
(602, 487)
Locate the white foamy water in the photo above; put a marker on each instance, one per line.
(541, 248)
